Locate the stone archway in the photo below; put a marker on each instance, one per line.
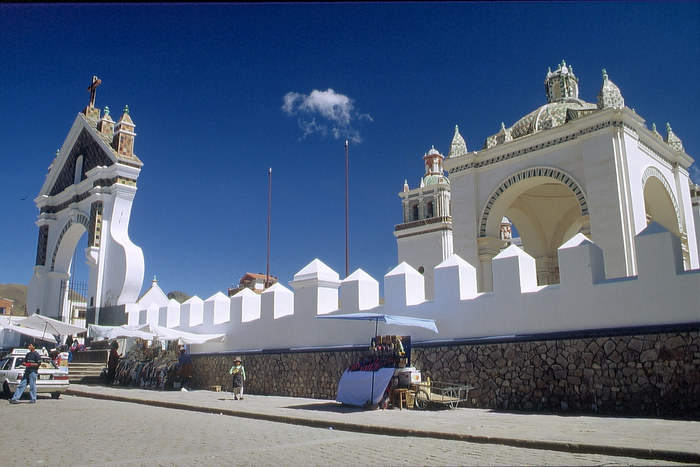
(660, 206)
(89, 189)
(546, 206)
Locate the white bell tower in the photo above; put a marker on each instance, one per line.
(425, 236)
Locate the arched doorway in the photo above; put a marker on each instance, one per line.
(70, 260)
(660, 206)
(546, 206)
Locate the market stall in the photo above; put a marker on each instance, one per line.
(149, 367)
(384, 372)
(152, 361)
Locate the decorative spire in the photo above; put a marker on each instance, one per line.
(123, 140)
(458, 146)
(609, 95)
(504, 135)
(433, 162)
(405, 185)
(106, 124)
(561, 84)
(673, 140)
(655, 132)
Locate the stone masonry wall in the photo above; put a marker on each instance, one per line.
(652, 374)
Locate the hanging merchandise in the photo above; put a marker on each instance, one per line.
(149, 367)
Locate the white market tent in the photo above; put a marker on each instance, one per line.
(50, 326)
(182, 337)
(116, 332)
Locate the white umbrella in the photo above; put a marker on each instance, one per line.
(51, 326)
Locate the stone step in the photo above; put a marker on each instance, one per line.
(86, 373)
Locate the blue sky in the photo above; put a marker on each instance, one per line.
(221, 92)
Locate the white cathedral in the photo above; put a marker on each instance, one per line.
(604, 208)
(567, 167)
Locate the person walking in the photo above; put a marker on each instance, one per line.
(238, 372)
(32, 361)
(112, 363)
(185, 361)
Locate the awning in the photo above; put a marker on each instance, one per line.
(388, 319)
(115, 332)
(183, 337)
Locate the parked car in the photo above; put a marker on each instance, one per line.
(50, 380)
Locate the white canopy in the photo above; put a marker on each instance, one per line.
(183, 337)
(388, 319)
(50, 325)
(115, 332)
(28, 332)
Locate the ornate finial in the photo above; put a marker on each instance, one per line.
(605, 74)
(106, 111)
(673, 140)
(154, 279)
(503, 126)
(653, 127)
(126, 109)
(549, 70)
(456, 129)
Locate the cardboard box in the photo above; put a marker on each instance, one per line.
(409, 376)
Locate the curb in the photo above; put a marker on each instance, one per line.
(581, 448)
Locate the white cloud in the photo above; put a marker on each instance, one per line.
(336, 113)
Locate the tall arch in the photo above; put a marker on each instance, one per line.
(89, 189)
(660, 206)
(547, 207)
(77, 225)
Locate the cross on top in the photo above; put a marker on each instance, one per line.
(93, 89)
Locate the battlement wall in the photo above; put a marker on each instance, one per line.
(663, 293)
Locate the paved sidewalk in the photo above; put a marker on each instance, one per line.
(644, 438)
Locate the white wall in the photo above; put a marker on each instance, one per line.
(662, 293)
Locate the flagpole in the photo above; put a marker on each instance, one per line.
(269, 206)
(347, 254)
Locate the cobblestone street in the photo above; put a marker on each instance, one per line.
(80, 431)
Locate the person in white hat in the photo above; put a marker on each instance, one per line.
(238, 372)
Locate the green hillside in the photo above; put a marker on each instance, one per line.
(16, 293)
